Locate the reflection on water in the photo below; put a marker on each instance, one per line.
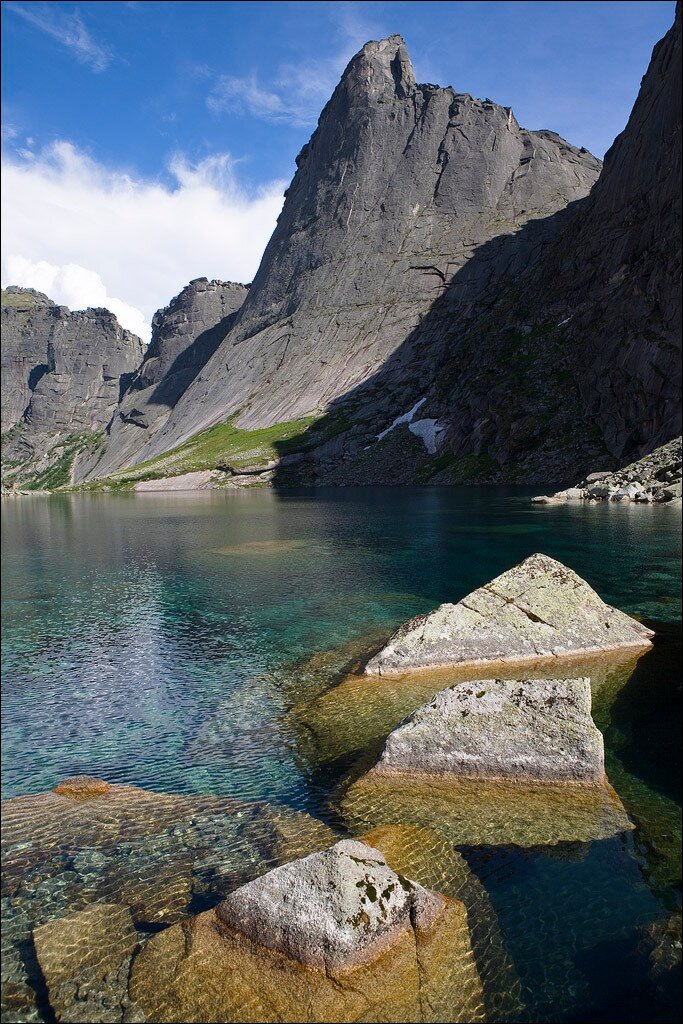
(209, 645)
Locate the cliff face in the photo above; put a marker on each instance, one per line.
(27, 321)
(185, 334)
(617, 271)
(404, 192)
(447, 298)
(62, 373)
(576, 365)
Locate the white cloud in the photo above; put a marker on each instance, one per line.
(111, 239)
(67, 28)
(75, 287)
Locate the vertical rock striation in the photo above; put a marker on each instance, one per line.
(185, 334)
(403, 193)
(63, 374)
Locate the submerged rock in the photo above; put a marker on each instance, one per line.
(538, 609)
(160, 855)
(334, 937)
(485, 812)
(525, 730)
(82, 787)
(85, 959)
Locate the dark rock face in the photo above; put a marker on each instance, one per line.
(185, 334)
(617, 270)
(27, 321)
(404, 192)
(575, 366)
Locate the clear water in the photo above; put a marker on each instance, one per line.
(164, 641)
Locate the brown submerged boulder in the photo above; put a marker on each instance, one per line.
(336, 936)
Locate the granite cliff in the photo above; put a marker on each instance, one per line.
(63, 374)
(185, 334)
(406, 197)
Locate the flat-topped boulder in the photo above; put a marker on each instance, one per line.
(332, 910)
(538, 609)
(527, 730)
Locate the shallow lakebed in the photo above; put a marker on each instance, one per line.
(205, 644)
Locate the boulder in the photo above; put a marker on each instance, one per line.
(85, 958)
(334, 937)
(525, 730)
(82, 787)
(538, 609)
(332, 910)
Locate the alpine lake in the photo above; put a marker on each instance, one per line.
(208, 648)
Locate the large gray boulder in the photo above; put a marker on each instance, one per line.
(538, 609)
(527, 730)
(333, 910)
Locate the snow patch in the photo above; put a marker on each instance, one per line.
(428, 430)
(405, 418)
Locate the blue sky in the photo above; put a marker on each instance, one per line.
(172, 99)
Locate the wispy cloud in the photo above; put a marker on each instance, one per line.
(89, 235)
(68, 29)
(297, 92)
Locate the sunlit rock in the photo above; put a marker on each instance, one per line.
(338, 936)
(538, 608)
(537, 730)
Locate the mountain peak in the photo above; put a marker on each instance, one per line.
(381, 66)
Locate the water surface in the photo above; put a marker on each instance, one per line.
(171, 640)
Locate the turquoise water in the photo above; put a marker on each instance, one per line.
(162, 640)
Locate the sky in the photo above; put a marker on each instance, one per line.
(148, 143)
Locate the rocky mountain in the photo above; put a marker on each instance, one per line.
(577, 365)
(185, 334)
(405, 194)
(447, 297)
(63, 375)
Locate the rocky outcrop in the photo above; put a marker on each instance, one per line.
(185, 334)
(27, 322)
(434, 287)
(339, 936)
(63, 374)
(538, 609)
(537, 730)
(656, 478)
(333, 910)
(615, 273)
(405, 193)
(573, 367)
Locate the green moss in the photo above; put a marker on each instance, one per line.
(224, 444)
(24, 300)
(433, 466)
(57, 475)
